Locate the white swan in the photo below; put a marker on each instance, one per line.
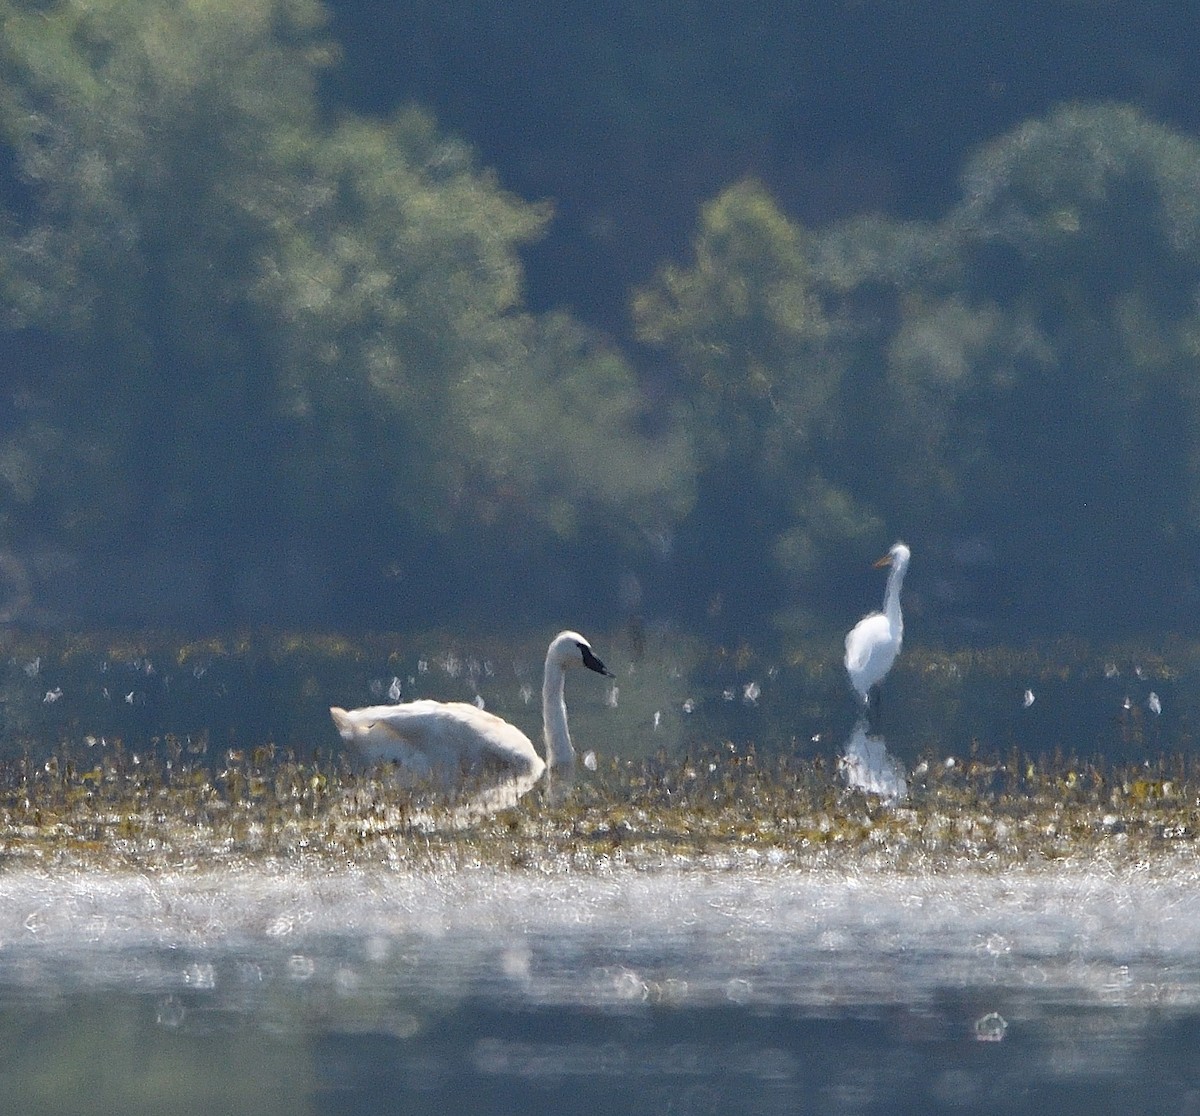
(874, 642)
(455, 745)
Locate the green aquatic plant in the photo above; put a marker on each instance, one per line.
(149, 750)
(724, 806)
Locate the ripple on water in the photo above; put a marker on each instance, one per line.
(779, 936)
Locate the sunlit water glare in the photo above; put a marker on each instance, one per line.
(771, 990)
(799, 937)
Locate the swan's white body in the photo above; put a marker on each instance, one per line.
(874, 642)
(453, 745)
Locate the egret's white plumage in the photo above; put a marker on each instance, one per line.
(874, 642)
(454, 745)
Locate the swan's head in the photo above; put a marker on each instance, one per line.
(898, 556)
(569, 649)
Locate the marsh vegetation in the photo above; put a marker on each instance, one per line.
(706, 757)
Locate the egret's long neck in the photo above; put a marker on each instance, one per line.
(559, 752)
(891, 599)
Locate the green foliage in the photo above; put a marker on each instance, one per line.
(748, 337)
(742, 324)
(1090, 223)
(1042, 379)
(1022, 370)
(232, 318)
(264, 322)
(148, 137)
(397, 291)
(568, 431)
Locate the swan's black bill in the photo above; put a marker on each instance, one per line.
(592, 663)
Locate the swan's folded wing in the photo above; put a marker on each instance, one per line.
(433, 735)
(397, 733)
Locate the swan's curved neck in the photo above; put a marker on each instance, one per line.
(557, 737)
(891, 598)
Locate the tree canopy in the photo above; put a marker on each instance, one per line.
(245, 322)
(1016, 380)
(283, 353)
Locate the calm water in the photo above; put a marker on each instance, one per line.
(689, 989)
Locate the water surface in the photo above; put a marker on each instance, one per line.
(685, 989)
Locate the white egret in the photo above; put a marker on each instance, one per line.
(455, 745)
(874, 642)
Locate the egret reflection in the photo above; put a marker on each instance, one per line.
(866, 765)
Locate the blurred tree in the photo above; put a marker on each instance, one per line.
(747, 336)
(1079, 234)
(630, 114)
(149, 143)
(1033, 366)
(590, 437)
(1016, 380)
(252, 328)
